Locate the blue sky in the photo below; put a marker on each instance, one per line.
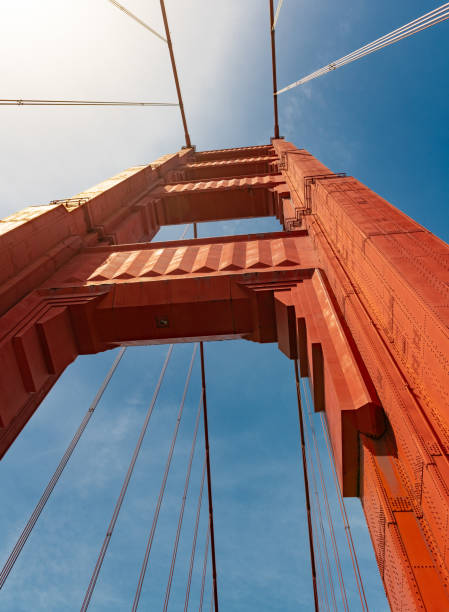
(383, 119)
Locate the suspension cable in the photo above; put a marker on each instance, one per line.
(195, 535)
(186, 229)
(142, 23)
(203, 578)
(326, 503)
(209, 478)
(319, 523)
(413, 27)
(29, 102)
(354, 559)
(417, 25)
(320, 573)
(175, 75)
(276, 15)
(306, 487)
(54, 479)
(118, 505)
(273, 68)
(163, 484)
(183, 503)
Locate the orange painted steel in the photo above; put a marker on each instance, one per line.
(352, 286)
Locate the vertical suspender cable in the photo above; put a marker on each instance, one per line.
(195, 535)
(341, 502)
(273, 64)
(162, 489)
(320, 573)
(326, 502)
(203, 578)
(183, 503)
(319, 523)
(209, 479)
(118, 505)
(306, 487)
(175, 74)
(54, 479)
(320, 567)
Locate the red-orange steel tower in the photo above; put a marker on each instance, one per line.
(352, 287)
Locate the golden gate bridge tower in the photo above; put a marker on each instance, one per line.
(352, 290)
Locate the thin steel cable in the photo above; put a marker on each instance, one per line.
(209, 480)
(203, 579)
(37, 102)
(391, 41)
(183, 235)
(306, 486)
(195, 535)
(142, 23)
(118, 505)
(162, 489)
(326, 503)
(354, 559)
(57, 474)
(183, 503)
(417, 25)
(431, 18)
(319, 523)
(276, 15)
(273, 69)
(175, 74)
(422, 23)
(320, 572)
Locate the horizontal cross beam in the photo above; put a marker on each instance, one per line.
(256, 287)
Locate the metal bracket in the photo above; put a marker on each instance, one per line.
(308, 182)
(283, 162)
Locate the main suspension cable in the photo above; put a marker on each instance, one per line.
(142, 23)
(306, 486)
(57, 474)
(326, 502)
(118, 505)
(163, 484)
(413, 27)
(354, 559)
(183, 503)
(175, 75)
(37, 102)
(195, 536)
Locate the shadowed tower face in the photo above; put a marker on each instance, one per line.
(352, 288)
